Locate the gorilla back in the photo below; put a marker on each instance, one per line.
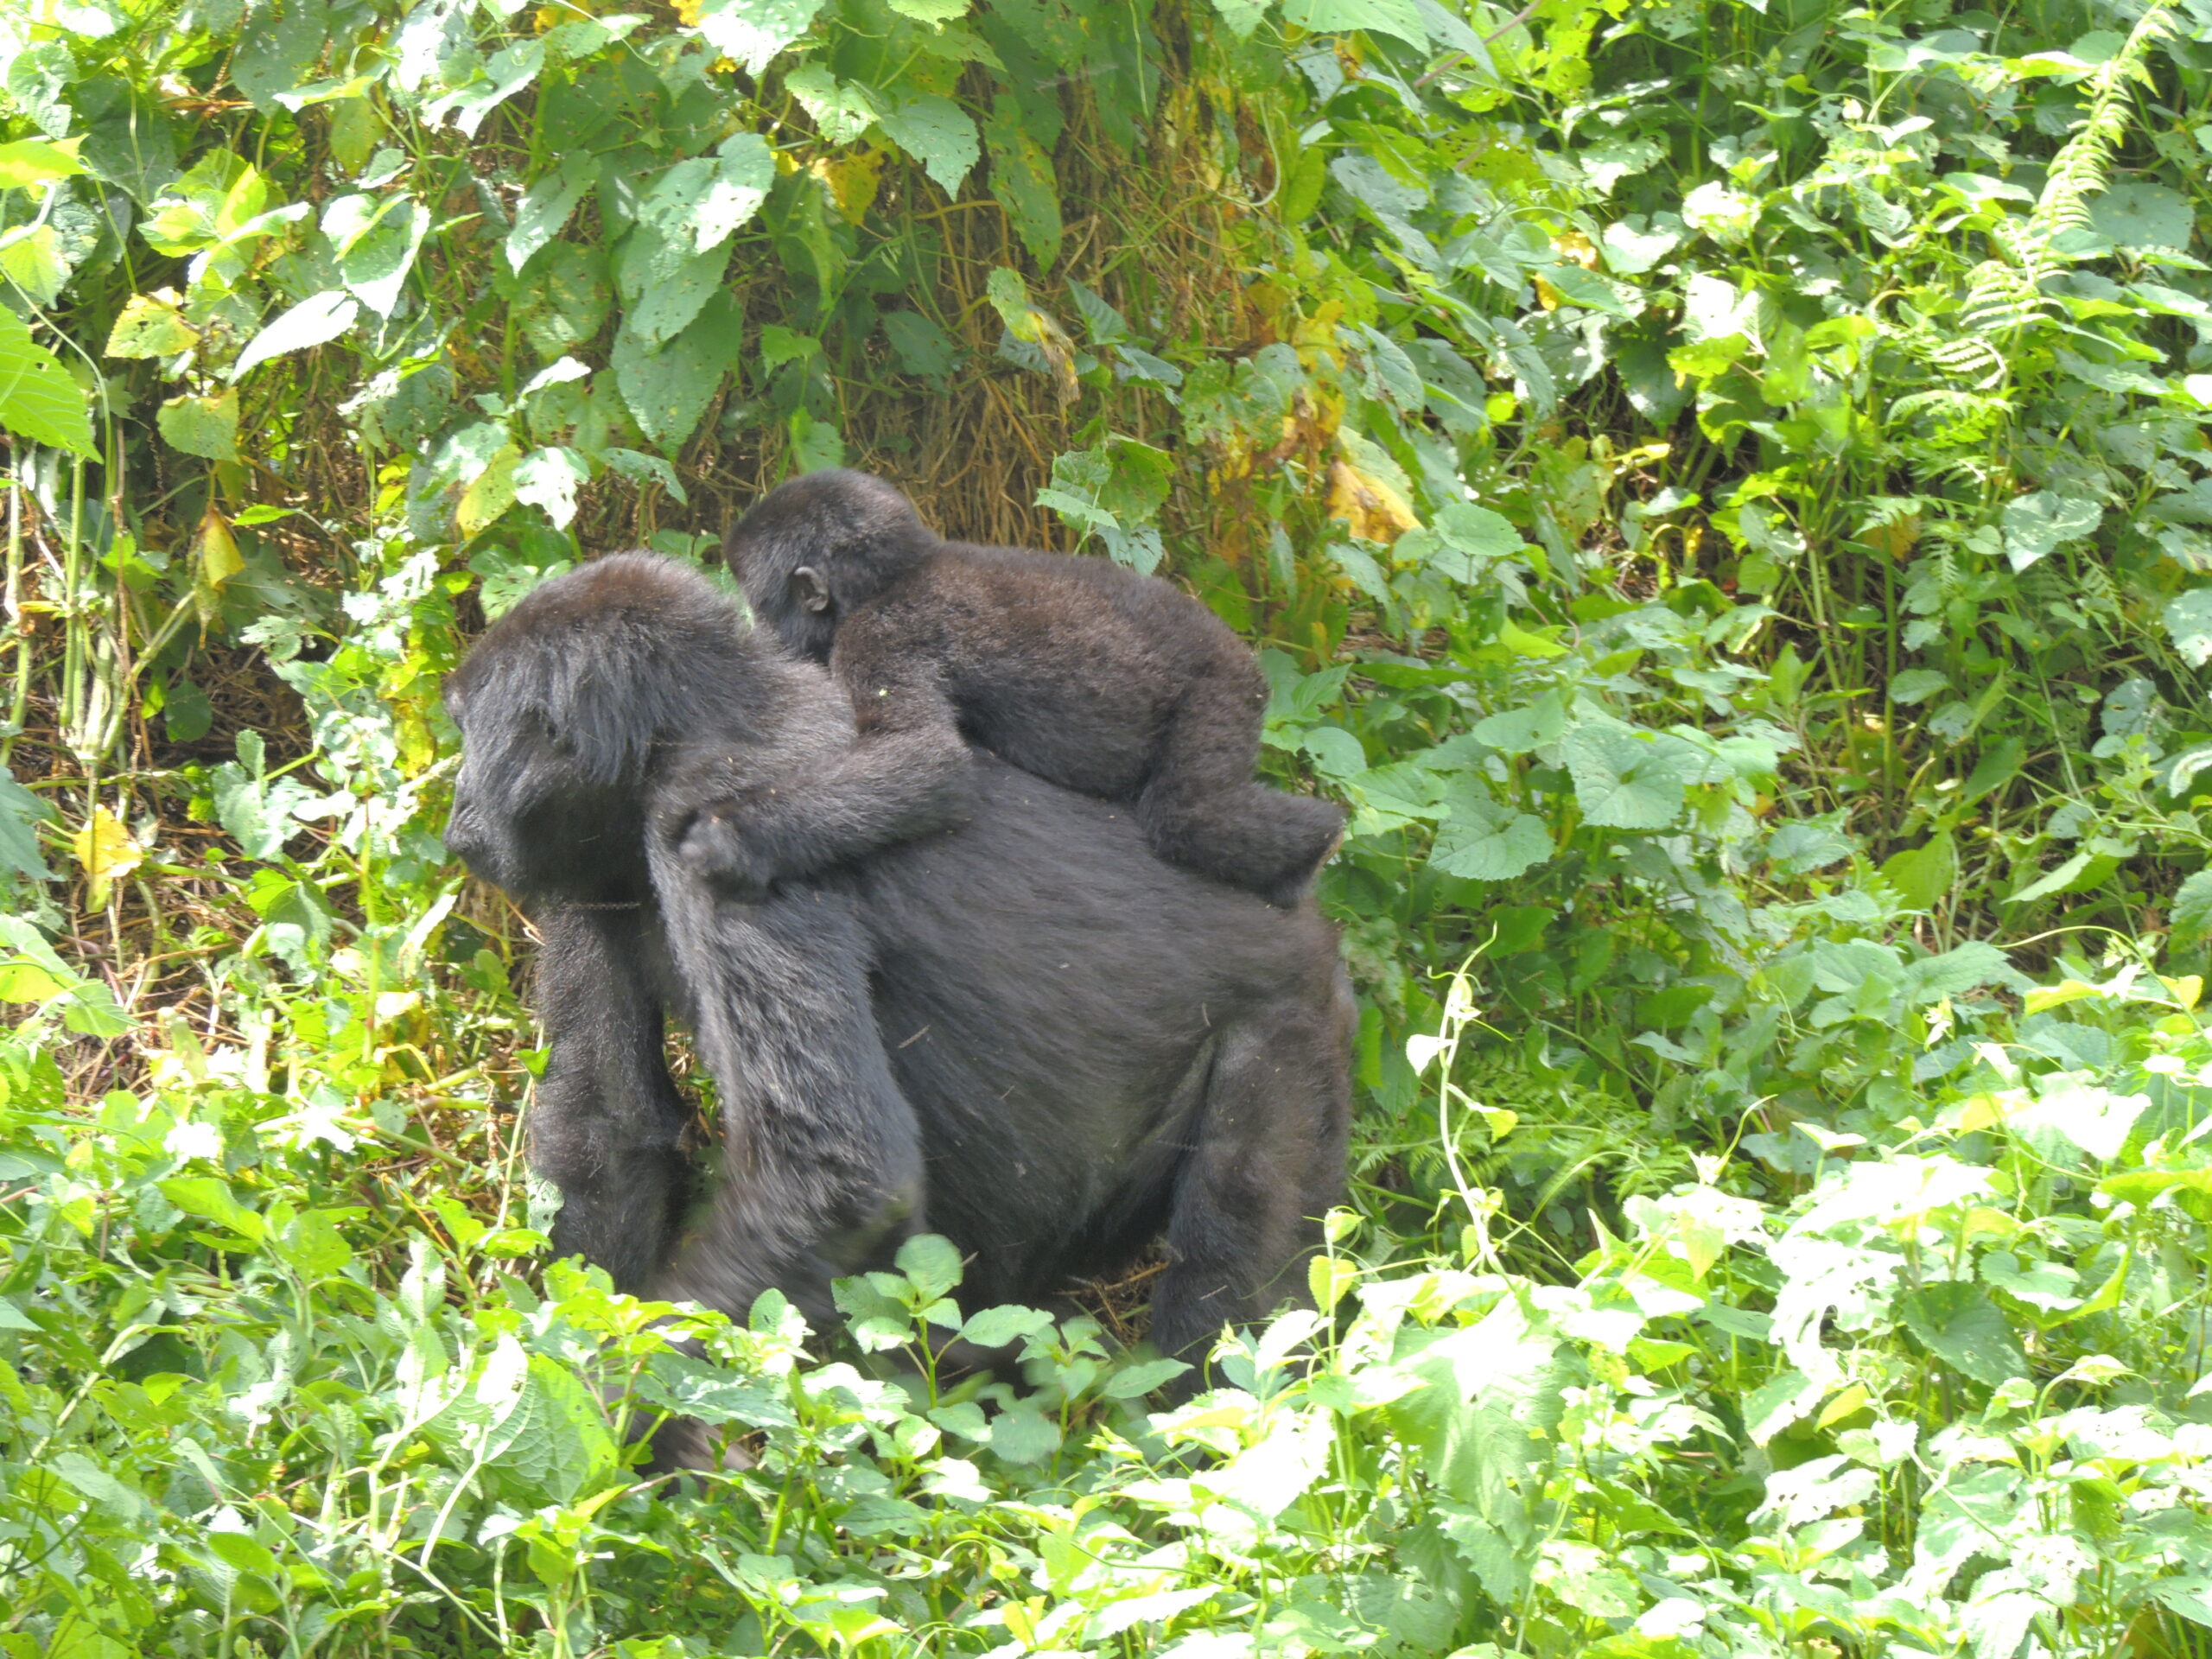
(1086, 1046)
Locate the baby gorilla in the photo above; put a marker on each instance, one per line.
(1075, 669)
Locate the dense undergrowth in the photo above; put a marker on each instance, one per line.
(1721, 490)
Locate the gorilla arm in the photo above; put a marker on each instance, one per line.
(749, 833)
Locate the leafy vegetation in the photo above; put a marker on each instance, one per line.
(1721, 491)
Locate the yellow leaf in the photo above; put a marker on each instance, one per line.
(2040, 997)
(107, 852)
(851, 181)
(1547, 296)
(2186, 989)
(493, 492)
(216, 548)
(1521, 643)
(1369, 508)
(1851, 1399)
(1572, 244)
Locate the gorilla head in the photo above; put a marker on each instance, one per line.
(561, 706)
(819, 546)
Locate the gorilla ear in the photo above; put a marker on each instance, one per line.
(808, 590)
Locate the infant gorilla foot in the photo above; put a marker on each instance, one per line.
(715, 851)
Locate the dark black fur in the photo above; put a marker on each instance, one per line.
(1085, 1045)
(1082, 672)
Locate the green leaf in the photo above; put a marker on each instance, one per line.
(1398, 17)
(931, 1264)
(2188, 619)
(698, 204)
(2037, 524)
(151, 326)
(33, 161)
(210, 1197)
(923, 349)
(1917, 685)
(1623, 779)
(1957, 1323)
(377, 243)
(841, 110)
(38, 400)
(995, 1327)
(930, 11)
(549, 479)
(276, 48)
(936, 132)
(667, 285)
(35, 261)
(750, 33)
(1517, 731)
(208, 427)
(19, 810)
(1924, 875)
(1022, 181)
(313, 321)
(641, 468)
(546, 208)
(2192, 911)
(1485, 841)
(1024, 1435)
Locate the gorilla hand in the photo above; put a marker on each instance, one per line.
(713, 849)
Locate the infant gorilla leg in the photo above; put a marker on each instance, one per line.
(1201, 809)
(821, 1168)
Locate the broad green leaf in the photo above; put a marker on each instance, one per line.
(2189, 621)
(1924, 875)
(548, 480)
(697, 205)
(1917, 685)
(937, 133)
(641, 468)
(1623, 779)
(994, 1327)
(491, 492)
(1957, 1323)
(1485, 841)
(1517, 731)
(33, 161)
(667, 285)
(377, 243)
(931, 1264)
(841, 111)
(151, 326)
(2037, 524)
(313, 321)
(19, 810)
(208, 427)
(2192, 912)
(923, 349)
(1399, 17)
(668, 388)
(499, 77)
(930, 11)
(33, 259)
(38, 400)
(1022, 181)
(750, 33)
(278, 46)
(210, 1197)
(546, 205)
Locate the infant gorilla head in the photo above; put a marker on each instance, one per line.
(1088, 1047)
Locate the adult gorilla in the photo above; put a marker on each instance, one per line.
(1025, 1031)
